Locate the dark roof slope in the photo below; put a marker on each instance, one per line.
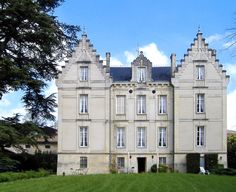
(125, 73)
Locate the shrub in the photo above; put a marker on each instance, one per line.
(163, 168)
(11, 176)
(154, 168)
(224, 171)
(193, 162)
(211, 161)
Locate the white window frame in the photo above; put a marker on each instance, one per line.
(84, 73)
(141, 137)
(120, 104)
(200, 136)
(162, 160)
(141, 74)
(141, 104)
(162, 104)
(83, 137)
(120, 162)
(162, 141)
(200, 103)
(83, 103)
(120, 137)
(83, 162)
(200, 72)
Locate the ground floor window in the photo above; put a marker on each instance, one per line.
(120, 162)
(83, 162)
(162, 160)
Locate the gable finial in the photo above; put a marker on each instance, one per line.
(199, 29)
(84, 30)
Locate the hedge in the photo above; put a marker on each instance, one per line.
(12, 176)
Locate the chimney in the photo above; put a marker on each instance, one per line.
(108, 56)
(173, 63)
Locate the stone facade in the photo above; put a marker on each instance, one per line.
(133, 117)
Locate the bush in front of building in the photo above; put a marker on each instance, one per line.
(211, 161)
(224, 171)
(193, 162)
(163, 168)
(11, 176)
(154, 168)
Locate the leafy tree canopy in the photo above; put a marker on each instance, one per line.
(231, 148)
(32, 41)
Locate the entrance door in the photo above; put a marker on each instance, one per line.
(141, 164)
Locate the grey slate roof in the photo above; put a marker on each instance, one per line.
(125, 73)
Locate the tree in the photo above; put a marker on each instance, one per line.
(231, 148)
(32, 41)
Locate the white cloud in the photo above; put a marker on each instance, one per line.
(214, 38)
(231, 110)
(157, 57)
(229, 44)
(116, 62)
(231, 69)
(151, 51)
(4, 102)
(129, 56)
(8, 113)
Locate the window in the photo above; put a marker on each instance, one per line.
(162, 160)
(83, 136)
(47, 146)
(120, 162)
(200, 103)
(84, 73)
(162, 104)
(200, 72)
(83, 103)
(27, 146)
(162, 137)
(141, 137)
(141, 76)
(120, 104)
(200, 136)
(83, 162)
(141, 102)
(120, 137)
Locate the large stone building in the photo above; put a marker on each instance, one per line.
(140, 115)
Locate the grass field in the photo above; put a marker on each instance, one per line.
(124, 183)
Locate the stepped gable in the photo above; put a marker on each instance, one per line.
(199, 51)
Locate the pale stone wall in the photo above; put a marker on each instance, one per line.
(102, 121)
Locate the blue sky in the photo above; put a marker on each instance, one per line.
(159, 28)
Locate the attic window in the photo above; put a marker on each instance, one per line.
(141, 74)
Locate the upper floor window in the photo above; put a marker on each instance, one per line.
(120, 104)
(83, 136)
(141, 137)
(200, 103)
(200, 72)
(141, 104)
(84, 73)
(120, 137)
(141, 74)
(162, 137)
(162, 104)
(83, 162)
(200, 136)
(83, 103)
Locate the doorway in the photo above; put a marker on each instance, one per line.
(141, 164)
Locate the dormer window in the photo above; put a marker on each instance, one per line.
(141, 74)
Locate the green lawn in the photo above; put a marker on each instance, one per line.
(124, 182)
